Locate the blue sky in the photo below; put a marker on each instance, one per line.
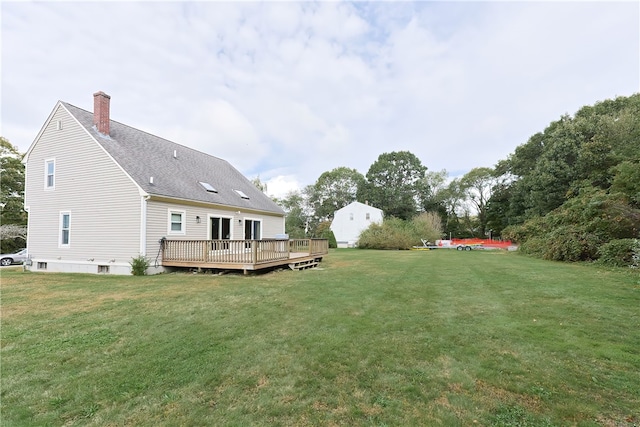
(289, 90)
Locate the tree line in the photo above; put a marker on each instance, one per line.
(399, 184)
(571, 192)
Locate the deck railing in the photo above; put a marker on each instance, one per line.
(239, 251)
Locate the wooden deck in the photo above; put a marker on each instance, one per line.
(246, 255)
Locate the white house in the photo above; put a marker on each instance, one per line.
(351, 220)
(100, 193)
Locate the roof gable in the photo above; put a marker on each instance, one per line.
(360, 207)
(164, 168)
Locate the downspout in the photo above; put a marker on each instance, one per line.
(143, 224)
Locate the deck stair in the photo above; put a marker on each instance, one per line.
(304, 264)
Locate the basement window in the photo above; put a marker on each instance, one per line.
(42, 265)
(103, 269)
(208, 187)
(241, 194)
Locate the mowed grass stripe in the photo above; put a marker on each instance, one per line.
(370, 338)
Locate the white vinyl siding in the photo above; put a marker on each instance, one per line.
(271, 226)
(351, 220)
(105, 202)
(157, 220)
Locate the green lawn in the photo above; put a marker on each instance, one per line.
(371, 338)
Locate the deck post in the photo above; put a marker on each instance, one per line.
(254, 251)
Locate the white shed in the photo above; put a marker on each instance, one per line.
(352, 220)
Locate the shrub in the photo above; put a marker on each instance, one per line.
(572, 244)
(428, 226)
(333, 243)
(620, 253)
(564, 243)
(395, 233)
(139, 265)
(520, 233)
(535, 246)
(324, 232)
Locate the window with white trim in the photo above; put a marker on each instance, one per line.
(65, 229)
(176, 222)
(49, 174)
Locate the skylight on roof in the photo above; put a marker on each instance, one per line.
(241, 194)
(208, 187)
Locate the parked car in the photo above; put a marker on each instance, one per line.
(16, 258)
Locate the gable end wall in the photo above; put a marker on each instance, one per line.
(104, 203)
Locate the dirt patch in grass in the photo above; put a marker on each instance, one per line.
(58, 304)
(371, 410)
(621, 421)
(44, 296)
(491, 394)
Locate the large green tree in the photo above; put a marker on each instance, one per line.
(395, 184)
(573, 187)
(477, 185)
(11, 195)
(555, 164)
(452, 197)
(433, 196)
(11, 184)
(297, 218)
(334, 190)
(626, 180)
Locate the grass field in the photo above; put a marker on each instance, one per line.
(372, 338)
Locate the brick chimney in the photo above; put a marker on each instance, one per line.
(101, 112)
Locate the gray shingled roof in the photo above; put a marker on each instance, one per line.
(143, 155)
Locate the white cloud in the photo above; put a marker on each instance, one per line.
(280, 186)
(289, 90)
(218, 128)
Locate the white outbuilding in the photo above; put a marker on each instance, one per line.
(352, 220)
